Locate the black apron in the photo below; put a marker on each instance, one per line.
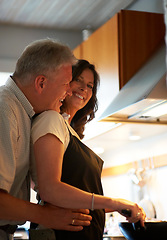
(82, 169)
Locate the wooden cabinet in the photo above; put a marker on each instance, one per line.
(101, 49)
(122, 45)
(140, 34)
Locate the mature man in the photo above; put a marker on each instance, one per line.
(40, 82)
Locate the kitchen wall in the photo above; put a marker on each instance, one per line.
(147, 6)
(15, 38)
(155, 187)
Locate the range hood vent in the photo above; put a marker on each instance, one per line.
(143, 92)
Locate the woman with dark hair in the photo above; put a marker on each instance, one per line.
(68, 172)
(87, 113)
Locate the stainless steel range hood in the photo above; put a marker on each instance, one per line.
(144, 91)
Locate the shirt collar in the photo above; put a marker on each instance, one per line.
(20, 96)
(65, 116)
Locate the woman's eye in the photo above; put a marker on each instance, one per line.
(90, 86)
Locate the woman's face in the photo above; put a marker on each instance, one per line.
(81, 90)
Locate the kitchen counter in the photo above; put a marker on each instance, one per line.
(108, 237)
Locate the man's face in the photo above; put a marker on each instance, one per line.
(58, 87)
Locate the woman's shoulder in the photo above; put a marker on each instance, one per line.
(49, 122)
(48, 116)
(49, 113)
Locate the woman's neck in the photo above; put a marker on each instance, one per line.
(71, 112)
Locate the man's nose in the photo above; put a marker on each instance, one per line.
(69, 91)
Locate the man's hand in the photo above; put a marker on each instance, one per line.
(18, 210)
(65, 219)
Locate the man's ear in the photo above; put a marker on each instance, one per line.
(40, 83)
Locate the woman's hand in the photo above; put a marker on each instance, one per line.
(133, 212)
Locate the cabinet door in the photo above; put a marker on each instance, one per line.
(101, 49)
(78, 52)
(140, 34)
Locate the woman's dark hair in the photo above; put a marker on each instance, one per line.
(87, 113)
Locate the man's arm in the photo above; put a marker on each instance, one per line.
(15, 209)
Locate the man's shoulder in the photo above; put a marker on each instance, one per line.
(8, 101)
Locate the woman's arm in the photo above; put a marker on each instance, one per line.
(49, 153)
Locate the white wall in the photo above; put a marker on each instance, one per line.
(147, 6)
(15, 38)
(122, 186)
(155, 189)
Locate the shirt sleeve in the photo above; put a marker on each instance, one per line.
(49, 122)
(9, 135)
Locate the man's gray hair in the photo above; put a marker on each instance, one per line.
(42, 56)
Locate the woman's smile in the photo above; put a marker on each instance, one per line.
(78, 95)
